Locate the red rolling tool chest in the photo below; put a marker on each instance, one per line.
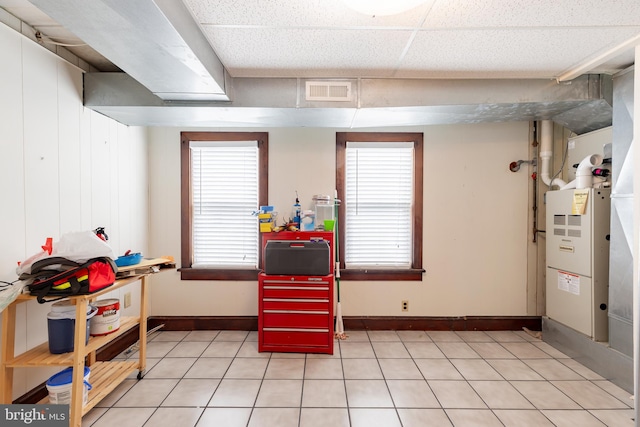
(295, 311)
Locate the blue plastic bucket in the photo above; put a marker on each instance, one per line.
(61, 322)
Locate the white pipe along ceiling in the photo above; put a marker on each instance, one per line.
(172, 77)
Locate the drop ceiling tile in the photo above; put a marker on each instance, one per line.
(527, 13)
(308, 53)
(296, 13)
(535, 53)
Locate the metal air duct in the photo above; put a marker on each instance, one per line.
(155, 42)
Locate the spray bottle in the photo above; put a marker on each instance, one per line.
(296, 211)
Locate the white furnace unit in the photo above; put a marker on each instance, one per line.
(578, 259)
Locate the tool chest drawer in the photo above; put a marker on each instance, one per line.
(297, 287)
(297, 340)
(294, 304)
(295, 313)
(295, 319)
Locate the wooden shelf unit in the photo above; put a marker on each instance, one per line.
(105, 376)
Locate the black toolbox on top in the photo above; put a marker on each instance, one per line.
(297, 258)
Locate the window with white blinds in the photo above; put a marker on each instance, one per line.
(378, 204)
(224, 193)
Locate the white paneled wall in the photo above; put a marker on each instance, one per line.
(62, 168)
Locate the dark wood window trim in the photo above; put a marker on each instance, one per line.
(186, 271)
(416, 271)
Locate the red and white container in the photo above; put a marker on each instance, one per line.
(107, 319)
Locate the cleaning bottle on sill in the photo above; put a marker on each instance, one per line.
(296, 211)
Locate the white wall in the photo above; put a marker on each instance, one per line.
(475, 223)
(62, 168)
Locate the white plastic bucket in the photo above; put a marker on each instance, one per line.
(59, 387)
(107, 318)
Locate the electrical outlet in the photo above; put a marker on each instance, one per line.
(127, 299)
(405, 305)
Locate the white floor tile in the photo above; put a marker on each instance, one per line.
(147, 393)
(171, 417)
(361, 369)
(424, 418)
(209, 367)
(393, 350)
(522, 418)
(412, 394)
(227, 417)
(324, 394)
(280, 393)
(473, 417)
(476, 369)
(171, 367)
(192, 393)
(235, 393)
(588, 395)
(456, 394)
(457, 350)
(374, 378)
(383, 336)
(565, 418)
(399, 369)
(282, 369)
(373, 417)
(188, 349)
(323, 417)
(323, 369)
(474, 336)
(124, 417)
(500, 395)
(544, 395)
(272, 417)
(615, 417)
(368, 394)
(207, 336)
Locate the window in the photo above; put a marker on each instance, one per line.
(379, 180)
(224, 180)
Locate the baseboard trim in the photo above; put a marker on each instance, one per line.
(464, 323)
(354, 323)
(204, 323)
(597, 356)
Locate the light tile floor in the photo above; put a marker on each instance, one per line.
(375, 378)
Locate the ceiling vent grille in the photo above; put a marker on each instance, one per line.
(328, 91)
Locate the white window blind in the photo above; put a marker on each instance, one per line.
(379, 197)
(224, 194)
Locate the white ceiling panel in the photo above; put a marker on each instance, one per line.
(532, 13)
(308, 53)
(505, 53)
(440, 38)
(263, 40)
(296, 13)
